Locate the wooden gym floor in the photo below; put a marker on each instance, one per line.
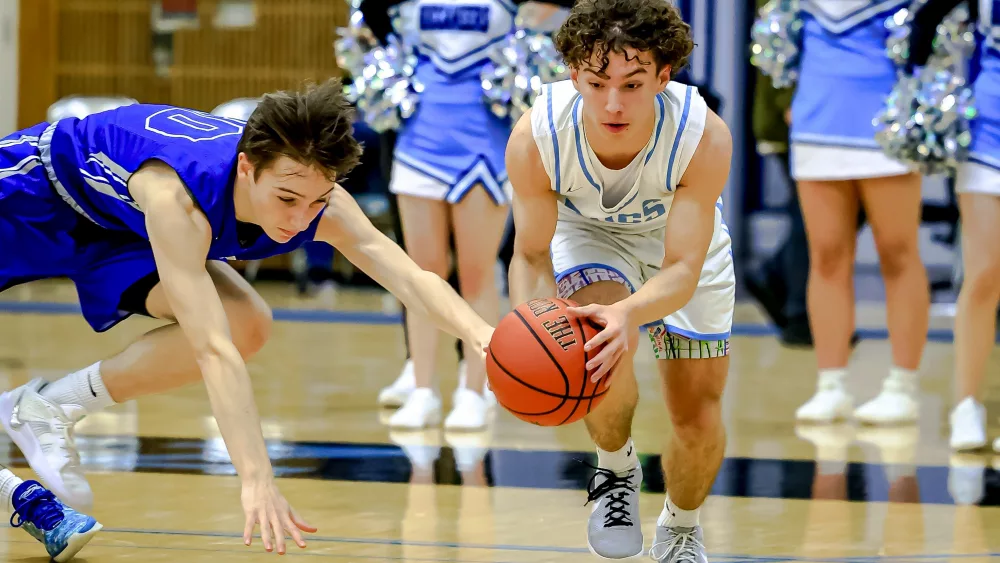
(165, 489)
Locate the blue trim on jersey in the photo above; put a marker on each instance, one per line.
(579, 144)
(560, 275)
(659, 126)
(698, 335)
(571, 207)
(677, 137)
(555, 139)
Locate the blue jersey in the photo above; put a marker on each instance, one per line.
(89, 162)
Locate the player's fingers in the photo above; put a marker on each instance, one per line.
(598, 339)
(265, 529)
(279, 531)
(248, 528)
(587, 311)
(608, 361)
(293, 531)
(609, 351)
(301, 523)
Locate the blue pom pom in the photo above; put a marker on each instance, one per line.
(516, 71)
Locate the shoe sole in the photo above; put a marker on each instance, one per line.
(637, 555)
(76, 543)
(434, 420)
(32, 451)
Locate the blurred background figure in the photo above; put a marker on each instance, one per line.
(845, 75)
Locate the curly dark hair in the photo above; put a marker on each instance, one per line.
(596, 28)
(314, 128)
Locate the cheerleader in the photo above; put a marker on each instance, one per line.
(844, 77)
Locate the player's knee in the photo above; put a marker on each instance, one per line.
(696, 416)
(251, 325)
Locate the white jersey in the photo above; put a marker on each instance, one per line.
(637, 198)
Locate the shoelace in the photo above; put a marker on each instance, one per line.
(685, 543)
(615, 487)
(40, 508)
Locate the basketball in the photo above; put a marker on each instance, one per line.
(537, 367)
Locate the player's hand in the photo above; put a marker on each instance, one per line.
(264, 505)
(618, 337)
(481, 342)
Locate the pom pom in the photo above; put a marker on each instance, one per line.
(516, 71)
(776, 37)
(925, 119)
(383, 88)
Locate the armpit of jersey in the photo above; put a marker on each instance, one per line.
(838, 16)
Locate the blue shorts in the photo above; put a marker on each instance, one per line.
(42, 237)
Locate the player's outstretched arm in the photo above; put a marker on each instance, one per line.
(535, 213)
(345, 226)
(180, 236)
(689, 232)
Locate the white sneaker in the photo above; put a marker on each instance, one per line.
(421, 409)
(896, 404)
(43, 431)
(469, 412)
(996, 447)
(831, 402)
(395, 395)
(968, 425)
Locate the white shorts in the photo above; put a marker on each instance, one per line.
(814, 162)
(583, 254)
(977, 178)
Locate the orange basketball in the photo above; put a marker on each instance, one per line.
(537, 366)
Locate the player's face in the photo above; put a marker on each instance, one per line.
(623, 95)
(287, 197)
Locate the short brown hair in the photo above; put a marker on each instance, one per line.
(596, 28)
(313, 128)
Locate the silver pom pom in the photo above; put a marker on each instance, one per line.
(516, 71)
(384, 89)
(776, 36)
(925, 119)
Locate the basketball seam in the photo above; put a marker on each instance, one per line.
(548, 352)
(529, 386)
(542, 391)
(586, 375)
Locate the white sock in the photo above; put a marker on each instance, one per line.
(620, 461)
(673, 517)
(84, 388)
(832, 378)
(907, 377)
(8, 482)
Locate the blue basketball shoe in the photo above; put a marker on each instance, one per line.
(63, 530)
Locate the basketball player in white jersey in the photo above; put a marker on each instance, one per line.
(617, 176)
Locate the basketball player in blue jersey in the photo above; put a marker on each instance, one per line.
(617, 176)
(140, 207)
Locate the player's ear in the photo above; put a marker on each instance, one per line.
(574, 74)
(664, 76)
(244, 167)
